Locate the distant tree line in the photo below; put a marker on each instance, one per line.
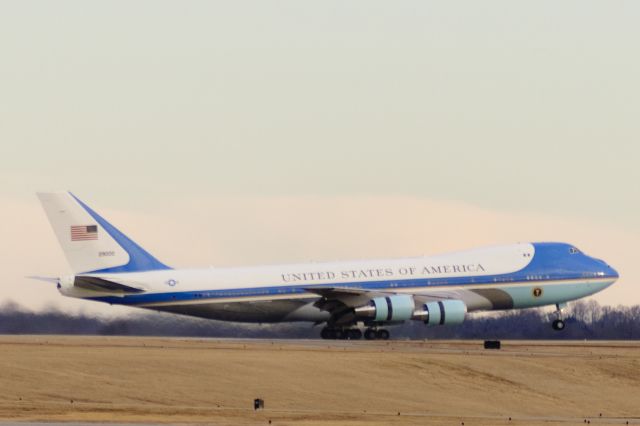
(584, 320)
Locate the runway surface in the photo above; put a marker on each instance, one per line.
(312, 382)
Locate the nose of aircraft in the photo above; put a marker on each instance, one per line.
(612, 273)
(603, 269)
(607, 271)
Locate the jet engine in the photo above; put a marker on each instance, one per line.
(442, 312)
(398, 307)
(401, 307)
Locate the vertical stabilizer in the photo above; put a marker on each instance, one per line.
(89, 242)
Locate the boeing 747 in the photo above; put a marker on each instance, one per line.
(435, 290)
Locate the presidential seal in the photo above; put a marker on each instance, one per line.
(537, 292)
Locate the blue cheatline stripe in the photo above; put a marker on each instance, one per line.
(388, 285)
(139, 259)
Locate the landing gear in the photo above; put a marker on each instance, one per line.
(352, 332)
(382, 334)
(355, 334)
(328, 333)
(373, 334)
(370, 334)
(558, 324)
(341, 333)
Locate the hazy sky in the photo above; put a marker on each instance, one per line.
(506, 120)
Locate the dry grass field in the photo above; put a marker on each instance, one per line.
(155, 380)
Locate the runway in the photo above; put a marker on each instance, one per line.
(311, 382)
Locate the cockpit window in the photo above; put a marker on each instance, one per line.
(573, 250)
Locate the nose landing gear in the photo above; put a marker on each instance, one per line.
(558, 324)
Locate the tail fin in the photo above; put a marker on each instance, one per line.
(90, 243)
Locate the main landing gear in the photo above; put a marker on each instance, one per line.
(341, 333)
(558, 324)
(376, 334)
(354, 334)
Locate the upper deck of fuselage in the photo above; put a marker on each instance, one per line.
(562, 260)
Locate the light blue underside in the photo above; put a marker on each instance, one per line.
(522, 296)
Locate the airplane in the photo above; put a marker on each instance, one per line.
(344, 296)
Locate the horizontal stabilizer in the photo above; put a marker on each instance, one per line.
(99, 284)
(46, 279)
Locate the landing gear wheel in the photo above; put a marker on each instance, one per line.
(355, 334)
(370, 334)
(328, 333)
(341, 334)
(558, 325)
(382, 334)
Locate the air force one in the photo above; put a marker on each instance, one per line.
(436, 290)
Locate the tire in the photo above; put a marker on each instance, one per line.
(558, 325)
(370, 334)
(382, 334)
(328, 333)
(355, 334)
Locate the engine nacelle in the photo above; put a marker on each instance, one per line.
(398, 307)
(442, 312)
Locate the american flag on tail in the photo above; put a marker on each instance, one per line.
(84, 232)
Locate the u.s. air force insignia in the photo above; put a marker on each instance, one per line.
(537, 292)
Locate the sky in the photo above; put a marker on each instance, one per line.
(253, 132)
